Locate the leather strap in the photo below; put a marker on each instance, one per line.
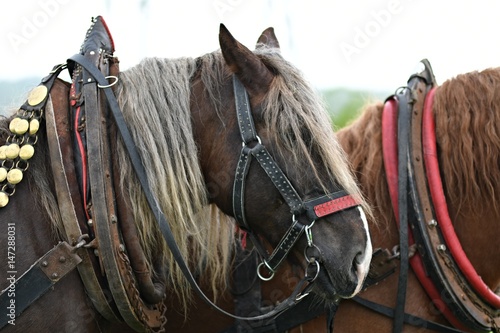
(403, 138)
(285, 245)
(306, 310)
(57, 130)
(329, 204)
(249, 136)
(245, 119)
(37, 280)
(407, 318)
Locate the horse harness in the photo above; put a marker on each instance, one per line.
(100, 240)
(413, 177)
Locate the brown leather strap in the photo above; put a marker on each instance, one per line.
(137, 314)
(58, 138)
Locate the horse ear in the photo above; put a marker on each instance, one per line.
(251, 71)
(268, 39)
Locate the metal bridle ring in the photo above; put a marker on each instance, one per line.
(316, 256)
(317, 270)
(263, 278)
(111, 84)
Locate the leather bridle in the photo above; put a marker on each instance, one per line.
(312, 209)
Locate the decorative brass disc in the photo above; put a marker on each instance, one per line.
(12, 151)
(26, 152)
(14, 176)
(3, 174)
(34, 126)
(4, 199)
(37, 95)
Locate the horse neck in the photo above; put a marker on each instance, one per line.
(476, 229)
(478, 235)
(466, 111)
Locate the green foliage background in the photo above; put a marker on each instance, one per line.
(344, 105)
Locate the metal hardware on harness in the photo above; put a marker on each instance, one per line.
(39, 278)
(437, 270)
(262, 277)
(115, 78)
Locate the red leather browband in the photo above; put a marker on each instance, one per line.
(335, 205)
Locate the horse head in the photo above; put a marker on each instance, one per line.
(290, 125)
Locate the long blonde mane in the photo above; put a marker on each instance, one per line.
(154, 97)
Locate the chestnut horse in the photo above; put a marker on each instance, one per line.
(466, 111)
(186, 119)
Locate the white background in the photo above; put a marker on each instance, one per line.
(368, 44)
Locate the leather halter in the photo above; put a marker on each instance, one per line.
(312, 209)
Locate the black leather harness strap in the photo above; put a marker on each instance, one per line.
(37, 280)
(404, 123)
(407, 318)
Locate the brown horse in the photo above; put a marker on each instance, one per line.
(466, 110)
(187, 119)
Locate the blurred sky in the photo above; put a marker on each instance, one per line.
(368, 44)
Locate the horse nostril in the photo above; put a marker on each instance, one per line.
(358, 259)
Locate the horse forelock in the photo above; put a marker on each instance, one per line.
(467, 115)
(290, 108)
(297, 118)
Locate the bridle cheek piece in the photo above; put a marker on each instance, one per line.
(313, 209)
